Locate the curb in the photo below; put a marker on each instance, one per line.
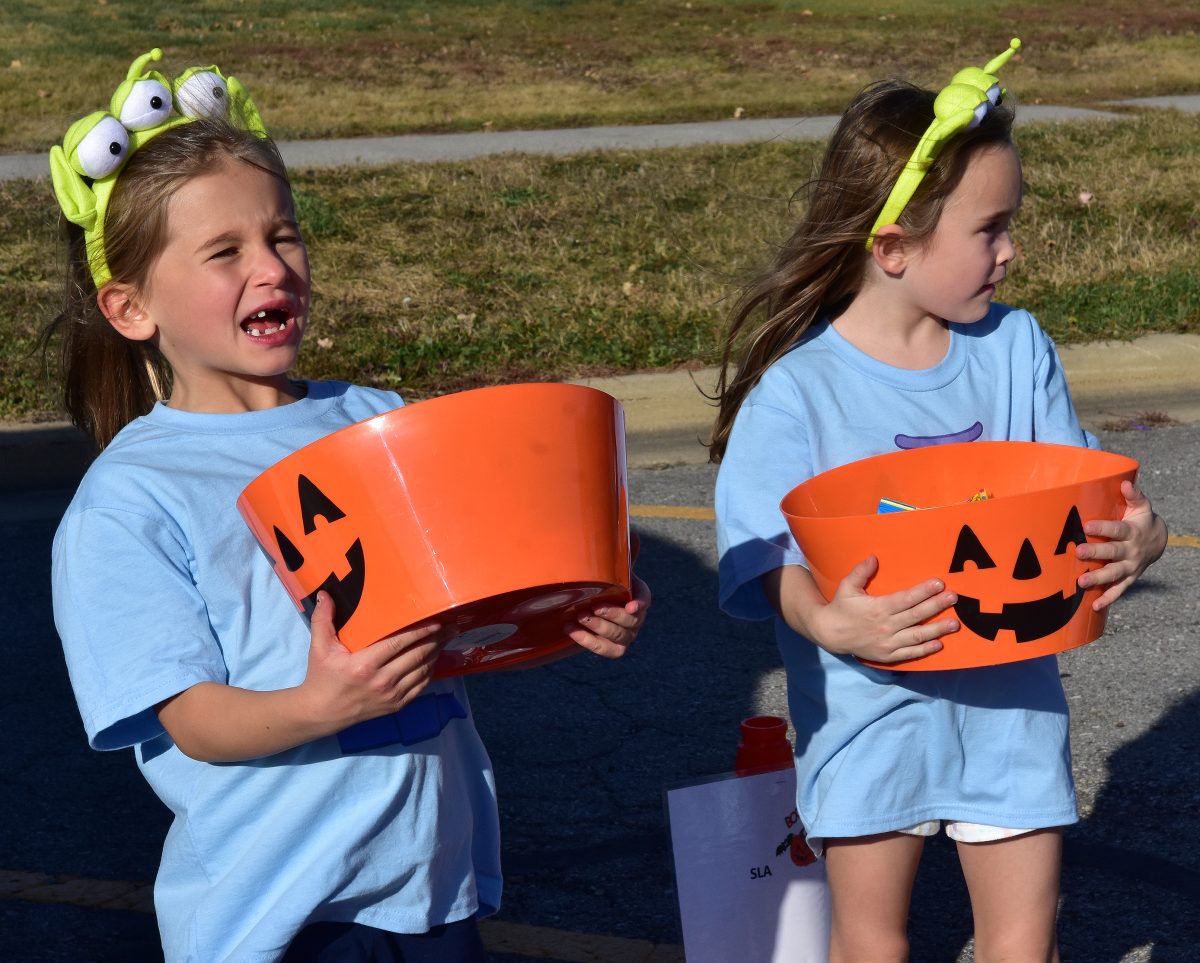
(667, 414)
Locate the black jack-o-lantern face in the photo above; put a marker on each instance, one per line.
(345, 590)
(1029, 620)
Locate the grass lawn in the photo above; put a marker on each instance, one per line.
(435, 277)
(319, 68)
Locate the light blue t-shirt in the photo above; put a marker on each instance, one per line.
(880, 750)
(159, 585)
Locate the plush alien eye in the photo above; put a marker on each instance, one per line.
(980, 112)
(103, 148)
(995, 95)
(203, 94)
(147, 105)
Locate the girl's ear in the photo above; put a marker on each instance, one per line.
(120, 304)
(890, 249)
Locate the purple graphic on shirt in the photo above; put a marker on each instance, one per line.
(927, 441)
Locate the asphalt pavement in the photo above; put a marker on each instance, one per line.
(584, 750)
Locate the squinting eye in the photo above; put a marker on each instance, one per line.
(995, 95)
(102, 149)
(980, 112)
(148, 105)
(203, 95)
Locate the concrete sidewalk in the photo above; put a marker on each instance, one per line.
(425, 148)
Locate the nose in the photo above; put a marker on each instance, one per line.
(269, 266)
(1007, 251)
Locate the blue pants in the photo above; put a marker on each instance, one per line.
(354, 943)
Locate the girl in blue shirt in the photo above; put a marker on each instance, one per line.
(188, 298)
(875, 328)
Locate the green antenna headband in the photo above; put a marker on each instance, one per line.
(94, 151)
(961, 105)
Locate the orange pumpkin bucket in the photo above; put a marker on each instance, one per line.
(501, 512)
(1009, 557)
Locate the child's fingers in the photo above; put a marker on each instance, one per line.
(628, 616)
(412, 682)
(599, 644)
(641, 596)
(1103, 551)
(393, 647)
(922, 640)
(321, 622)
(1133, 495)
(920, 597)
(1111, 595)
(929, 607)
(1107, 575)
(859, 577)
(608, 627)
(409, 672)
(1113, 529)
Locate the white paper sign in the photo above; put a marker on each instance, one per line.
(743, 896)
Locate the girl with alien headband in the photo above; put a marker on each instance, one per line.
(876, 329)
(298, 834)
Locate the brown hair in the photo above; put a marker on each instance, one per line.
(819, 268)
(108, 380)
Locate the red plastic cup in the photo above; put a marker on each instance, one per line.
(764, 746)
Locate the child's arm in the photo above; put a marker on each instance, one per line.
(213, 722)
(1134, 544)
(883, 628)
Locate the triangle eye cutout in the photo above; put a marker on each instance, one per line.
(970, 549)
(292, 557)
(313, 503)
(1072, 532)
(1027, 566)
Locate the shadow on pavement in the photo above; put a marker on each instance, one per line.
(1132, 874)
(584, 749)
(66, 809)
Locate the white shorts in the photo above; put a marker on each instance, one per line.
(964, 832)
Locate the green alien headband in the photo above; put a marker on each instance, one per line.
(961, 105)
(93, 153)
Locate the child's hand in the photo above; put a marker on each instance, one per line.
(1134, 544)
(349, 687)
(884, 628)
(610, 629)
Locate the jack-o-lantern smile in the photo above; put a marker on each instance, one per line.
(346, 590)
(1030, 620)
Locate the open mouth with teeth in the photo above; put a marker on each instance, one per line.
(266, 322)
(1029, 621)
